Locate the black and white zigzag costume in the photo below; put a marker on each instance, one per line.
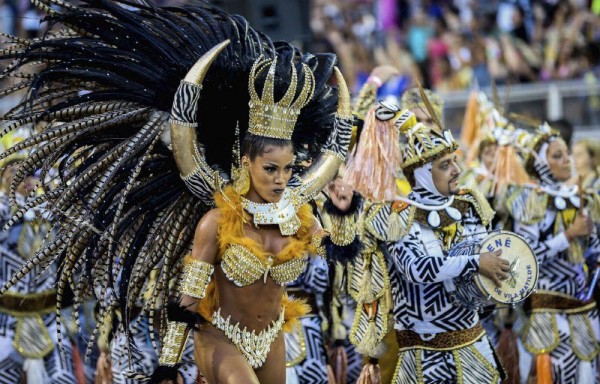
(305, 348)
(41, 337)
(569, 336)
(420, 271)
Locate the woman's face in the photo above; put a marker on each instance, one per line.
(488, 154)
(559, 160)
(582, 159)
(269, 173)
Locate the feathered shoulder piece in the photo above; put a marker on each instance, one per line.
(479, 203)
(389, 221)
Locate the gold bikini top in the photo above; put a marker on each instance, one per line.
(243, 268)
(244, 261)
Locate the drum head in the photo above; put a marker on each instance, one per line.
(523, 274)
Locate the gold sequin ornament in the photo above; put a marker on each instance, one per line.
(343, 230)
(317, 242)
(241, 183)
(195, 277)
(282, 213)
(243, 268)
(173, 344)
(254, 346)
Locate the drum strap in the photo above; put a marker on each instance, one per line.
(542, 301)
(444, 341)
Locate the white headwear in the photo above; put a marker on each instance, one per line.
(424, 181)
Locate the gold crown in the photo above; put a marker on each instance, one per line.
(271, 119)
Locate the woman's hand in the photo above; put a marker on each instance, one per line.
(582, 226)
(340, 194)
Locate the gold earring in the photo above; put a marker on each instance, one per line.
(242, 183)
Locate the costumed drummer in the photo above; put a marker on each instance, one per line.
(372, 171)
(345, 360)
(560, 337)
(152, 99)
(439, 339)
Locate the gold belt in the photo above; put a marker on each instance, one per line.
(441, 341)
(15, 303)
(545, 301)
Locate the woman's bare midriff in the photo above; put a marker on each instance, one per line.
(254, 306)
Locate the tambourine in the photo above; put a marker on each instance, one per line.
(477, 291)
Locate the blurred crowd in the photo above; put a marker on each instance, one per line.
(20, 18)
(451, 44)
(455, 44)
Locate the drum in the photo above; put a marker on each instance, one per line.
(477, 291)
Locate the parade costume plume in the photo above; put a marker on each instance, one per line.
(104, 79)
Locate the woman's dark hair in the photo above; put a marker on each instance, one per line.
(254, 146)
(565, 128)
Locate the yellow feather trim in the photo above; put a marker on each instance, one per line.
(231, 231)
(294, 308)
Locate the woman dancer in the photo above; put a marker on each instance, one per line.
(124, 208)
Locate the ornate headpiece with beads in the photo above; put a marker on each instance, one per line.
(530, 143)
(277, 119)
(425, 143)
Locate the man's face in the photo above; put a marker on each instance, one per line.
(445, 173)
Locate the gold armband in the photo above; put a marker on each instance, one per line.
(343, 230)
(195, 277)
(173, 344)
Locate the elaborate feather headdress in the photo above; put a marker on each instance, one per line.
(109, 74)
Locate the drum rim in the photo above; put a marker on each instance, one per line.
(478, 276)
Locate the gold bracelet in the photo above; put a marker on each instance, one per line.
(343, 230)
(195, 277)
(173, 344)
